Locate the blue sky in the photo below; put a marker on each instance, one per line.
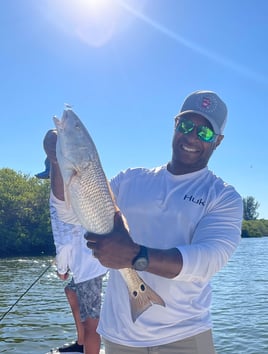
(126, 66)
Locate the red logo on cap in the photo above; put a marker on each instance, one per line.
(206, 102)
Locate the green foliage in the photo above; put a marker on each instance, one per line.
(255, 228)
(250, 208)
(25, 227)
(251, 226)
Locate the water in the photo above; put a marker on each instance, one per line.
(240, 301)
(42, 319)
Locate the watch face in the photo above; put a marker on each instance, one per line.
(141, 263)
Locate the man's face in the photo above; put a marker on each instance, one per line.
(190, 152)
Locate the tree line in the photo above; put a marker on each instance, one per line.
(25, 228)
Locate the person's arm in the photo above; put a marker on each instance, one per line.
(49, 143)
(215, 238)
(117, 250)
(56, 181)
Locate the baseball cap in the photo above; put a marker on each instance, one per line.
(209, 105)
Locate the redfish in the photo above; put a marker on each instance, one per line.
(88, 192)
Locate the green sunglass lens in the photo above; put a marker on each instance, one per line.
(185, 126)
(206, 134)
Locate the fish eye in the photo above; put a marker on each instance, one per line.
(135, 293)
(142, 287)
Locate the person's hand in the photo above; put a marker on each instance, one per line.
(63, 276)
(115, 249)
(49, 143)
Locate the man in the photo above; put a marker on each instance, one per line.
(185, 223)
(84, 291)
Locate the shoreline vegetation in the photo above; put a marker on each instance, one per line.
(25, 228)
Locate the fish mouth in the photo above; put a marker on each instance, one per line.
(56, 120)
(60, 123)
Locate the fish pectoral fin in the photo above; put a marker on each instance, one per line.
(141, 299)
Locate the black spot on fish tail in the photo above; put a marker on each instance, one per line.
(142, 298)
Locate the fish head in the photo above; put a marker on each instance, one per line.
(74, 144)
(75, 149)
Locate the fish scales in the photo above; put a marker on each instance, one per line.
(91, 201)
(88, 192)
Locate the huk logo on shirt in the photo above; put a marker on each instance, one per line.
(192, 199)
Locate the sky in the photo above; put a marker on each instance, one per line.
(125, 66)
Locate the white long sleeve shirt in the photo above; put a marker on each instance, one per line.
(72, 252)
(197, 213)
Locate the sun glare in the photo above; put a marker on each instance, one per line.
(95, 7)
(91, 21)
(94, 22)
(97, 23)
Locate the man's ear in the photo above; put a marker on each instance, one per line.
(218, 141)
(176, 122)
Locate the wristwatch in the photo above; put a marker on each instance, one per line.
(141, 260)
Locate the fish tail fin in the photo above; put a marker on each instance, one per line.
(142, 299)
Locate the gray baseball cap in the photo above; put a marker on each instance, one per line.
(209, 105)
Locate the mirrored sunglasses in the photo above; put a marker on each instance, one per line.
(204, 133)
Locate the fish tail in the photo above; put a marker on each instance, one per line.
(142, 298)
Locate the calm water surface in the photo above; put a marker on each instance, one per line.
(42, 319)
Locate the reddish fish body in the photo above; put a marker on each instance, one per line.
(88, 192)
